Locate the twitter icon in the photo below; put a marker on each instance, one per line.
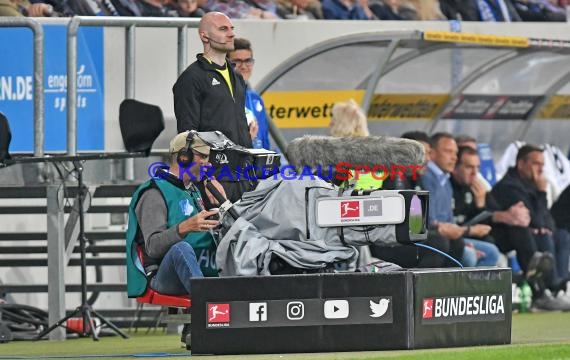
(380, 308)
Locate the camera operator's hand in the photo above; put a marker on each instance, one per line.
(450, 231)
(198, 222)
(218, 187)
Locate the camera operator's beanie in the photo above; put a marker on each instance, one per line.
(179, 142)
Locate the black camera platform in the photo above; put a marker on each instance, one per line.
(408, 309)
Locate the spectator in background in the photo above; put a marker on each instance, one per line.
(264, 5)
(242, 60)
(299, 9)
(540, 10)
(127, 7)
(346, 10)
(348, 120)
(471, 198)
(237, 9)
(421, 10)
(436, 181)
(525, 182)
(25, 8)
(187, 8)
(84, 7)
(411, 256)
(469, 141)
(155, 8)
(387, 9)
(479, 10)
(463, 10)
(466, 140)
(497, 10)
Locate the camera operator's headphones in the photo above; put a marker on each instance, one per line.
(187, 150)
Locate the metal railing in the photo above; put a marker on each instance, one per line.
(56, 234)
(38, 38)
(130, 24)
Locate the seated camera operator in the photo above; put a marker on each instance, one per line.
(167, 219)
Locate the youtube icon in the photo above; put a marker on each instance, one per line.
(336, 309)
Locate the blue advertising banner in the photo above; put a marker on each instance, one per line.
(16, 87)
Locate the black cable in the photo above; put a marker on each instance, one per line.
(225, 204)
(23, 321)
(24, 313)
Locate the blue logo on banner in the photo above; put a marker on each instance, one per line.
(16, 87)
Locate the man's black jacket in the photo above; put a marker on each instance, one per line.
(512, 189)
(561, 210)
(203, 102)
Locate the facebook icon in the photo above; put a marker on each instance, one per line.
(258, 311)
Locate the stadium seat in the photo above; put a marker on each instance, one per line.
(153, 297)
(156, 298)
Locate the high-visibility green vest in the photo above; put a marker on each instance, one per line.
(180, 204)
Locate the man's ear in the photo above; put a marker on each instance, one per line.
(431, 153)
(204, 37)
(183, 160)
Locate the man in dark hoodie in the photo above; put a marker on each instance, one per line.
(525, 182)
(210, 96)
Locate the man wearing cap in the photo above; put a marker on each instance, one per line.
(168, 222)
(210, 96)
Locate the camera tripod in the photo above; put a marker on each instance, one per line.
(85, 311)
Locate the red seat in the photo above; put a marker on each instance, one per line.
(153, 297)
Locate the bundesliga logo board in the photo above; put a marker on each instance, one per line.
(406, 309)
(464, 308)
(387, 208)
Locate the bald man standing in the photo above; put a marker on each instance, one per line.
(209, 95)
